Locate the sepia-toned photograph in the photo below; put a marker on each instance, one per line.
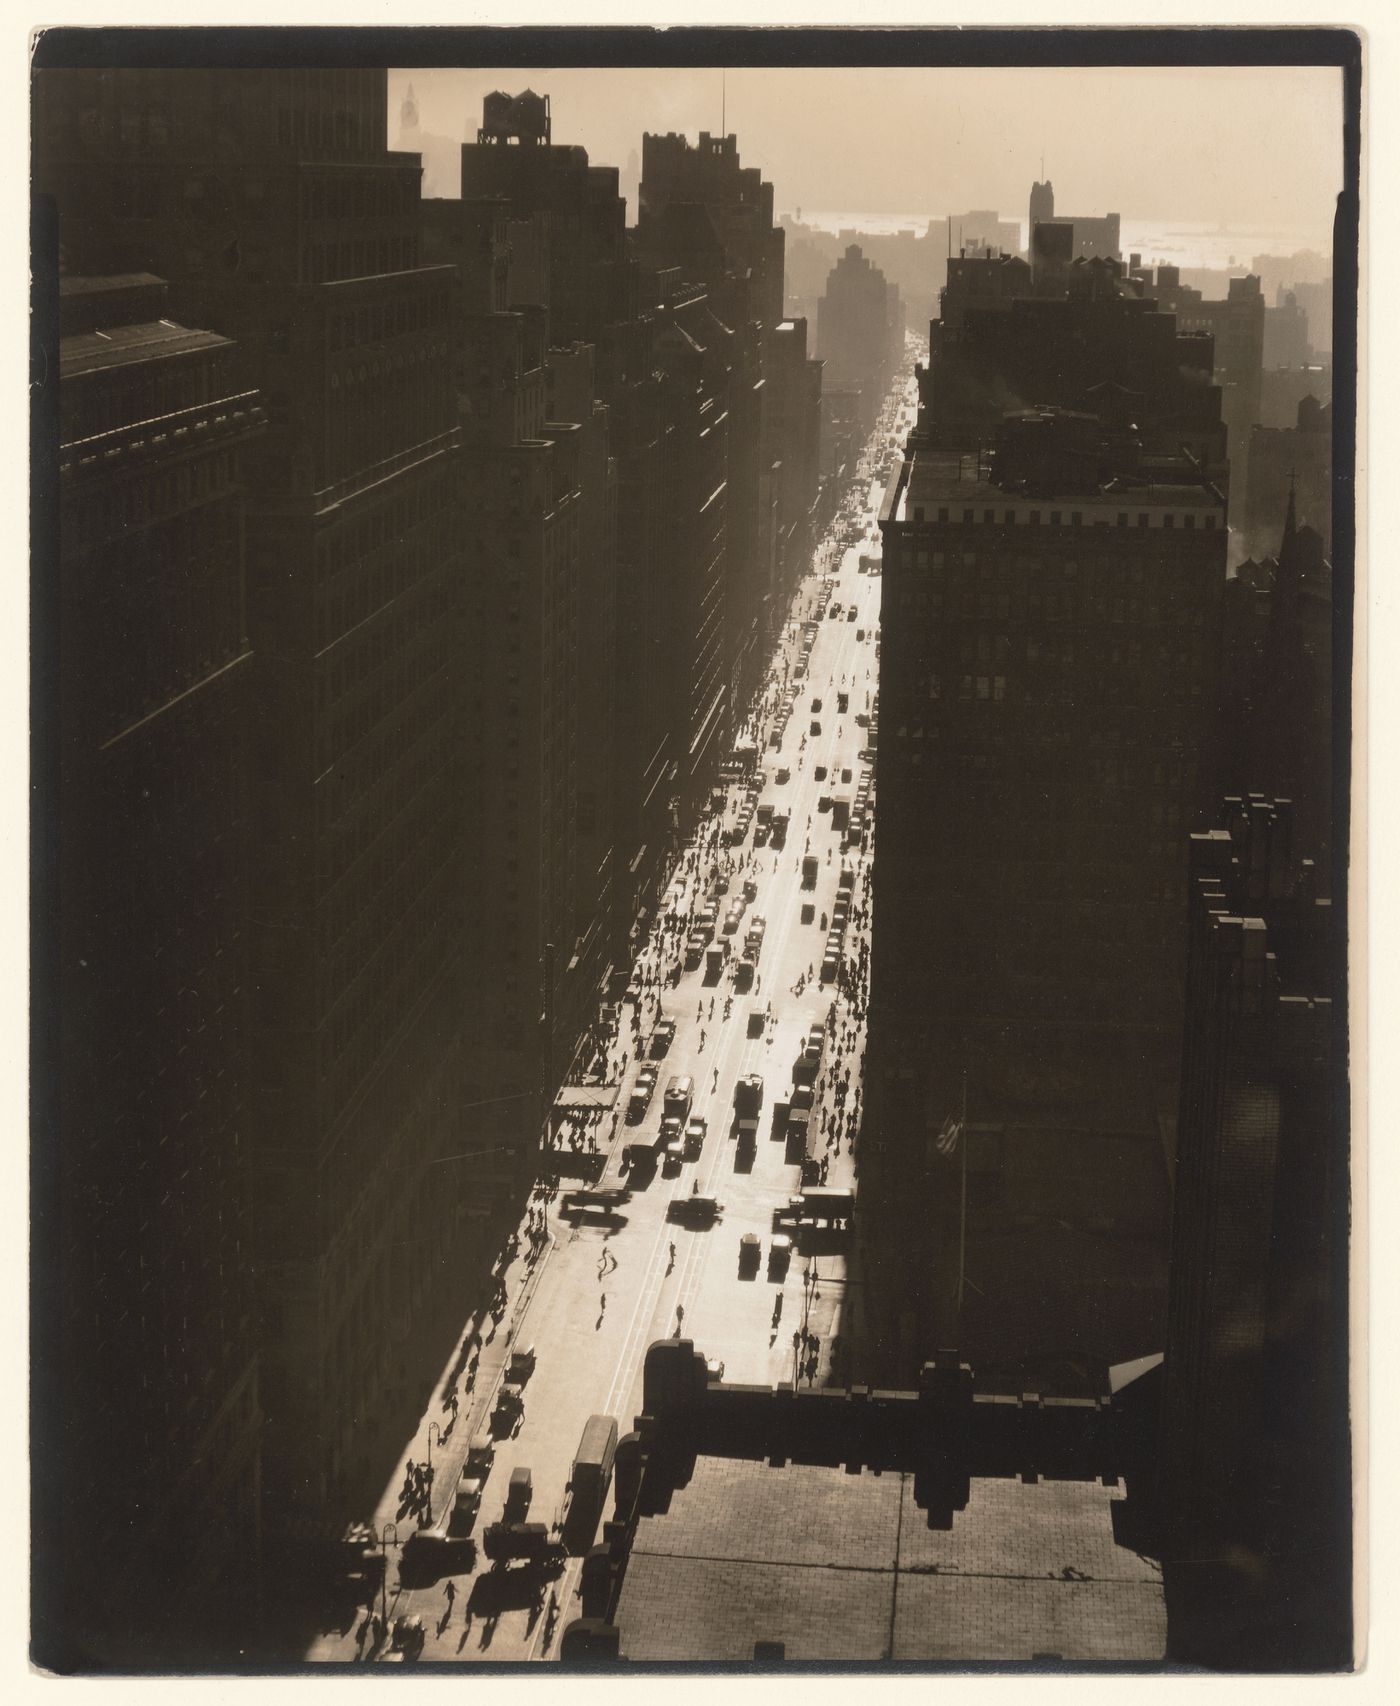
(691, 701)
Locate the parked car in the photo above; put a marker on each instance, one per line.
(662, 1038)
(750, 1251)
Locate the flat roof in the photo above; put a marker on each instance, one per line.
(124, 346)
(841, 1566)
(948, 476)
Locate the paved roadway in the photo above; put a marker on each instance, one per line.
(591, 1330)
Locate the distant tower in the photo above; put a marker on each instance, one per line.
(408, 113)
(1042, 202)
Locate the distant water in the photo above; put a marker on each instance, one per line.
(1181, 243)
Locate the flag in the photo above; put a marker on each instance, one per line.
(946, 1142)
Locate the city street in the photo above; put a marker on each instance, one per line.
(591, 1293)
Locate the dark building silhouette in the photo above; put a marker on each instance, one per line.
(570, 218)
(1255, 1480)
(1276, 684)
(1236, 322)
(154, 1458)
(1069, 237)
(860, 332)
(270, 202)
(1289, 461)
(1052, 579)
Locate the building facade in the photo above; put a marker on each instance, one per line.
(1255, 1482)
(1052, 584)
(154, 1456)
(269, 200)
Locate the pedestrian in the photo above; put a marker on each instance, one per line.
(450, 1591)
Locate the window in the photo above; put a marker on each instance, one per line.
(989, 515)
(1210, 522)
(968, 515)
(1010, 517)
(1076, 516)
(1168, 521)
(1188, 521)
(1142, 518)
(1035, 515)
(1055, 517)
(1122, 519)
(943, 514)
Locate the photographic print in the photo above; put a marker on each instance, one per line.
(692, 749)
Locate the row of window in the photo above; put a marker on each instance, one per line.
(360, 194)
(1057, 518)
(137, 501)
(375, 322)
(1038, 606)
(323, 263)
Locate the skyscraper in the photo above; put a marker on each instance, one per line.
(270, 202)
(1052, 581)
(1255, 1493)
(154, 1457)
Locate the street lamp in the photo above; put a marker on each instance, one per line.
(389, 1527)
(433, 1428)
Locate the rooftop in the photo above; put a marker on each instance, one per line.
(845, 1566)
(123, 346)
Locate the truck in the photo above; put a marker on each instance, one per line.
(680, 1092)
(748, 1100)
(810, 867)
(521, 1542)
(714, 959)
(590, 1477)
(840, 811)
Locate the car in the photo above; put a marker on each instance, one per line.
(671, 1128)
(646, 1078)
(779, 1255)
(521, 1365)
(816, 706)
(732, 920)
(862, 719)
(662, 1038)
(824, 803)
(750, 1250)
(466, 1503)
(816, 726)
(819, 772)
(845, 773)
(784, 775)
(851, 616)
(696, 1131)
(757, 1020)
(860, 633)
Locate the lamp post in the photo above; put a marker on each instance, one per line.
(433, 1428)
(389, 1528)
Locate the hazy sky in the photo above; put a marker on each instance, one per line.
(1235, 146)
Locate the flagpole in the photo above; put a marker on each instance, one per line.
(962, 1203)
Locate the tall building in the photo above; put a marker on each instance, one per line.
(740, 203)
(1255, 1486)
(1236, 322)
(1293, 461)
(1052, 583)
(1088, 236)
(270, 202)
(594, 292)
(860, 331)
(153, 1456)
(1276, 684)
(538, 479)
